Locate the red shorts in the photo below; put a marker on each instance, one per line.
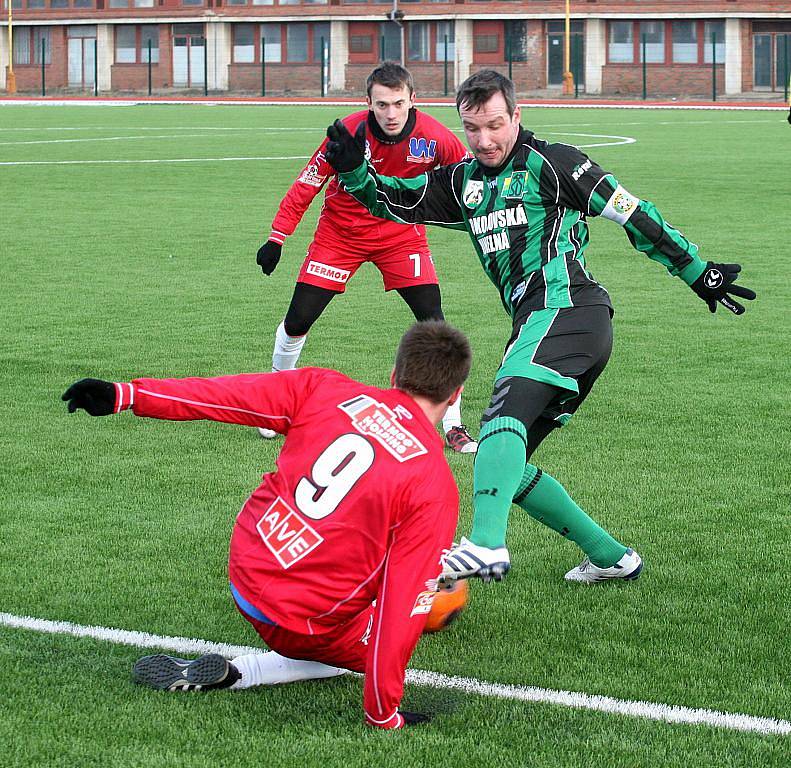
(344, 646)
(331, 266)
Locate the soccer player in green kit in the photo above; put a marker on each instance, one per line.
(524, 203)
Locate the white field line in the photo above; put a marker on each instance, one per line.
(642, 709)
(132, 162)
(95, 102)
(105, 138)
(530, 123)
(620, 140)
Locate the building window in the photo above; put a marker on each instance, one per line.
(83, 3)
(42, 35)
(118, 4)
(621, 43)
(714, 31)
(125, 44)
(320, 31)
(21, 45)
(361, 44)
(288, 2)
(685, 42)
(515, 41)
(296, 42)
(36, 4)
(192, 2)
(417, 46)
(446, 29)
(487, 43)
(653, 32)
(144, 3)
(149, 33)
(271, 43)
(58, 3)
(243, 43)
(236, 2)
(263, 2)
(390, 35)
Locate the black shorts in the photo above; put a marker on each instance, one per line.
(550, 364)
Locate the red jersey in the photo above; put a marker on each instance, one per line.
(360, 507)
(423, 145)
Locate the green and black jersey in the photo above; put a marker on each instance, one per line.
(528, 219)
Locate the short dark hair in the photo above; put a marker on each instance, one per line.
(390, 74)
(433, 360)
(477, 89)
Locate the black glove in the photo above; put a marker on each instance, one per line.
(414, 718)
(716, 282)
(345, 152)
(94, 395)
(268, 256)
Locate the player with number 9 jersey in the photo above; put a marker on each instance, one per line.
(358, 510)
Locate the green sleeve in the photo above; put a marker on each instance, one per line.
(430, 198)
(650, 234)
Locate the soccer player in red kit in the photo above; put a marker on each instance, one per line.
(359, 509)
(400, 141)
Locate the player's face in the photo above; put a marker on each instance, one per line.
(391, 107)
(491, 132)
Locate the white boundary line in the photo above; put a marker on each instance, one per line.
(642, 709)
(322, 103)
(128, 162)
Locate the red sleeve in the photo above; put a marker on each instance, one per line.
(269, 400)
(300, 195)
(451, 150)
(405, 598)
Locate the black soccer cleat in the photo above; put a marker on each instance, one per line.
(167, 673)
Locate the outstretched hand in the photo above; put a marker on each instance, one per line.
(95, 396)
(716, 284)
(345, 152)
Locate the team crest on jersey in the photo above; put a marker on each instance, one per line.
(286, 534)
(377, 421)
(473, 193)
(367, 150)
(421, 151)
(515, 186)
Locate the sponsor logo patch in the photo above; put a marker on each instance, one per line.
(421, 150)
(473, 193)
(286, 534)
(423, 603)
(311, 175)
(327, 272)
(379, 422)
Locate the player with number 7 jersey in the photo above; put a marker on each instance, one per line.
(359, 509)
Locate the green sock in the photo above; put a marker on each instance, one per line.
(499, 466)
(546, 500)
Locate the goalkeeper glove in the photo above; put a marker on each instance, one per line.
(717, 282)
(268, 256)
(345, 152)
(95, 396)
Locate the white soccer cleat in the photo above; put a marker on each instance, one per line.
(628, 568)
(267, 434)
(467, 560)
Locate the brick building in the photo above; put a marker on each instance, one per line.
(295, 46)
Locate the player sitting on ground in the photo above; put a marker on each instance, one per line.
(360, 508)
(399, 140)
